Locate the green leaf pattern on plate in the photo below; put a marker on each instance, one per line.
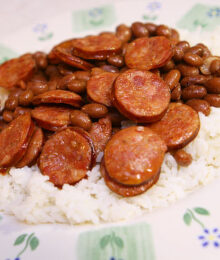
(34, 243)
(187, 218)
(201, 211)
(97, 17)
(105, 240)
(117, 243)
(201, 16)
(20, 239)
(209, 236)
(28, 241)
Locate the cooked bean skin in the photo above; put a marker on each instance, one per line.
(174, 36)
(38, 87)
(213, 99)
(64, 69)
(193, 91)
(199, 105)
(213, 85)
(124, 33)
(187, 70)
(52, 71)
(20, 111)
(81, 119)
(25, 98)
(182, 158)
(82, 75)
(196, 50)
(183, 45)
(172, 78)
(7, 116)
(215, 66)
(116, 118)
(11, 103)
(95, 110)
(205, 50)
(176, 93)
(77, 86)
(139, 30)
(116, 60)
(170, 65)
(193, 59)
(109, 68)
(96, 71)
(190, 80)
(151, 27)
(178, 54)
(163, 30)
(41, 59)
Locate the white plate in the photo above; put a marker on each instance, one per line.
(189, 229)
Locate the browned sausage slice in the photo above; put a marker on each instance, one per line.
(66, 157)
(96, 47)
(100, 133)
(58, 96)
(141, 95)
(179, 126)
(99, 87)
(148, 53)
(134, 155)
(33, 149)
(64, 52)
(15, 70)
(125, 190)
(51, 118)
(14, 140)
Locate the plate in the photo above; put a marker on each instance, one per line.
(187, 229)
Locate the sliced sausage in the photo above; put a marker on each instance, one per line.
(58, 96)
(100, 133)
(14, 140)
(33, 149)
(148, 53)
(98, 47)
(64, 52)
(179, 126)
(66, 156)
(134, 155)
(15, 70)
(125, 190)
(51, 118)
(99, 87)
(141, 95)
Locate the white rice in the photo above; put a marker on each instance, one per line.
(30, 197)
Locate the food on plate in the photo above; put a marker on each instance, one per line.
(141, 96)
(67, 156)
(106, 120)
(14, 140)
(178, 127)
(132, 158)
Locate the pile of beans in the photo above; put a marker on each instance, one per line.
(89, 72)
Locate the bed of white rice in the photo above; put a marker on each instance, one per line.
(29, 195)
